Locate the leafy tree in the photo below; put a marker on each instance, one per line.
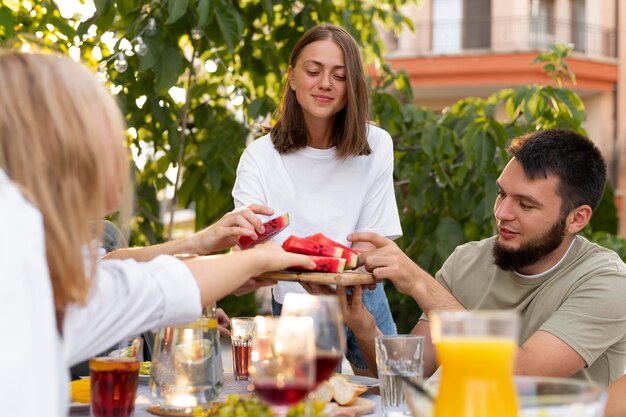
(447, 164)
(217, 52)
(190, 63)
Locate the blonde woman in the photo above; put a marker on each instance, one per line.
(63, 165)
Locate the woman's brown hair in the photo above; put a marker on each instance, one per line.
(350, 126)
(61, 142)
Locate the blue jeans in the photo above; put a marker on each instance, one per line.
(376, 303)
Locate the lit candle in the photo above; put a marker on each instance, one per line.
(182, 401)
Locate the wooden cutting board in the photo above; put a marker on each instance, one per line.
(361, 407)
(328, 278)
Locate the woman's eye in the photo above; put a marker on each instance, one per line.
(340, 77)
(525, 206)
(312, 73)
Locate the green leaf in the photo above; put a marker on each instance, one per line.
(258, 107)
(6, 23)
(229, 22)
(573, 103)
(205, 11)
(484, 149)
(269, 9)
(151, 58)
(170, 69)
(176, 9)
(430, 140)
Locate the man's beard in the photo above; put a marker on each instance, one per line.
(531, 252)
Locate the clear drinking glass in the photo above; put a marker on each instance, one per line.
(242, 331)
(330, 339)
(282, 366)
(401, 354)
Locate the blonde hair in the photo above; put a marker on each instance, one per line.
(61, 141)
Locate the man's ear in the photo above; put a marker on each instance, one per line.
(578, 218)
(290, 76)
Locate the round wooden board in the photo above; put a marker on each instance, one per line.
(328, 278)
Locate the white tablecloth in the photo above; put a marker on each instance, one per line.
(144, 398)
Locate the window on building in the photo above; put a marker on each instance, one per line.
(447, 16)
(461, 24)
(578, 25)
(477, 24)
(541, 23)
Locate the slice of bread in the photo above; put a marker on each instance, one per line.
(324, 392)
(344, 391)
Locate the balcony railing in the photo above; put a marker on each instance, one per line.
(504, 35)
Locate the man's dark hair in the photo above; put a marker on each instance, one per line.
(573, 158)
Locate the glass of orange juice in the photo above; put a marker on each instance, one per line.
(476, 350)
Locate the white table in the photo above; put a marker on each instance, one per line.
(231, 386)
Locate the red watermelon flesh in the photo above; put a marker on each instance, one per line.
(350, 255)
(272, 227)
(310, 247)
(325, 264)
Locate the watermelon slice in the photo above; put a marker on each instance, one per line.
(272, 227)
(310, 247)
(325, 264)
(350, 255)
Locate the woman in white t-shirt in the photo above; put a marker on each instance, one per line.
(63, 165)
(323, 163)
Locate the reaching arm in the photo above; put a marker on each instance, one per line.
(221, 235)
(220, 275)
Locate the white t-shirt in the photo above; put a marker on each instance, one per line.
(321, 193)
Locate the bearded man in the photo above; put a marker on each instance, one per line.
(569, 292)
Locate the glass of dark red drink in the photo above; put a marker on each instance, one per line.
(282, 366)
(330, 340)
(114, 381)
(242, 336)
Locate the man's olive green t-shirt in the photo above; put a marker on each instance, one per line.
(582, 301)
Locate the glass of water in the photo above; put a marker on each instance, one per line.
(396, 355)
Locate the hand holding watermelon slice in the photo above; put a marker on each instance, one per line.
(272, 228)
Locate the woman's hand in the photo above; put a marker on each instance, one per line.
(275, 258)
(225, 233)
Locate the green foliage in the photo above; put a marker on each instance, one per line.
(447, 165)
(215, 50)
(249, 44)
(605, 217)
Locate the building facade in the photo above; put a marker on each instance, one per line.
(463, 48)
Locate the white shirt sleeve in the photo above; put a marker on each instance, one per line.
(29, 365)
(128, 298)
(248, 188)
(380, 210)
